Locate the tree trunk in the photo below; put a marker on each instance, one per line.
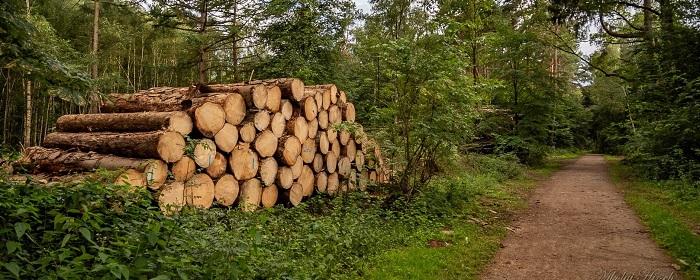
(165, 145)
(218, 166)
(128, 122)
(308, 150)
(244, 162)
(321, 182)
(323, 119)
(298, 127)
(226, 190)
(251, 195)
(287, 109)
(266, 143)
(309, 108)
(183, 169)
(278, 124)
(247, 131)
(294, 194)
(199, 191)
(274, 99)
(319, 163)
(172, 198)
(227, 138)
(209, 119)
(331, 162)
(94, 97)
(333, 183)
(27, 141)
(159, 99)
(204, 152)
(322, 143)
(297, 167)
(261, 120)
(284, 178)
(268, 171)
(60, 161)
(312, 127)
(269, 196)
(306, 180)
(291, 88)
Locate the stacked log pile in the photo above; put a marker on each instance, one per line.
(259, 143)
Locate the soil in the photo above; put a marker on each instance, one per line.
(578, 226)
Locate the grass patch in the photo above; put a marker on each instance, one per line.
(671, 211)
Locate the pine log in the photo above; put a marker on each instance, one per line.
(319, 163)
(335, 148)
(298, 127)
(261, 120)
(217, 168)
(349, 112)
(235, 108)
(268, 171)
(131, 177)
(209, 118)
(278, 124)
(360, 160)
(204, 152)
(287, 109)
(342, 97)
(334, 97)
(349, 150)
(318, 97)
(166, 145)
(251, 194)
(269, 196)
(294, 194)
(155, 172)
(322, 143)
(164, 99)
(323, 119)
(373, 176)
(333, 184)
(199, 191)
(183, 169)
(247, 132)
(266, 143)
(244, 162)
(334, 116)
(274, 99)
(343, 188)
(331, 162)
(254, 95)
(321, 182)
(344, 167)
(291, 88)
(226, 190)
(312, 127)
(344, 137)
(288, 149)
(61, 162)
(332, 91)
(306, 180)
(284, 179)
(352, 180)
(227, 138)
(308, 150)
(362, 181)
(171, 198)
(309, 108)
(332, 134)
(128, 122)
(297, 167)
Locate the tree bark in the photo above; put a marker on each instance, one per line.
(126, 122)
(165, 145)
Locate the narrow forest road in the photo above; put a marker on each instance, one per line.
(578, 226)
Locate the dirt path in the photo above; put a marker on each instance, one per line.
(578, 227)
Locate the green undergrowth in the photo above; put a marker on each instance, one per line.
(91, 229)
(671, 211)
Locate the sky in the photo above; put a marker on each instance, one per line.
(585, 47)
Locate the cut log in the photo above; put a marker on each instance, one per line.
(359, 160)
(332, 91)
(298, 127)
(318, 97)
(209, 118)
(343, 186)
(331, 162)
(274, 98)
(287, 109)
(350, 150)
(278, 124)
(269, 196)
(342, 97)
(183, 169)
(308, 150)
(247, 131)
(251, 194)
(217, 168)
(309, 108)
(171, 198)
(321, 182)
(284, 179)
(288, 149)
(291, 88)
(322, 143)
(262, 120)
(323, 119)
(266, 143)
(244, 162)
(204, 152)
(294, 194)
(297, 168)
(226, 190)
(254, 95)
(373, 176)
(163, 99)
(61, 162)
(319, 163)
(155, 173)
(334, 115)
(126, 122)
(131, 177)
(335, 148)
(352, 180)
(362, 181)
(166, 145)
(344, 137)
(312, 127)
(227, 138)
(306, 180)
(333, 184)
(332, 134)
(235, 108)
(268, 171)
(344, 167)
(349, 112)
(199, 191)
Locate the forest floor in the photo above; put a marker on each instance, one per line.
(578, 226)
